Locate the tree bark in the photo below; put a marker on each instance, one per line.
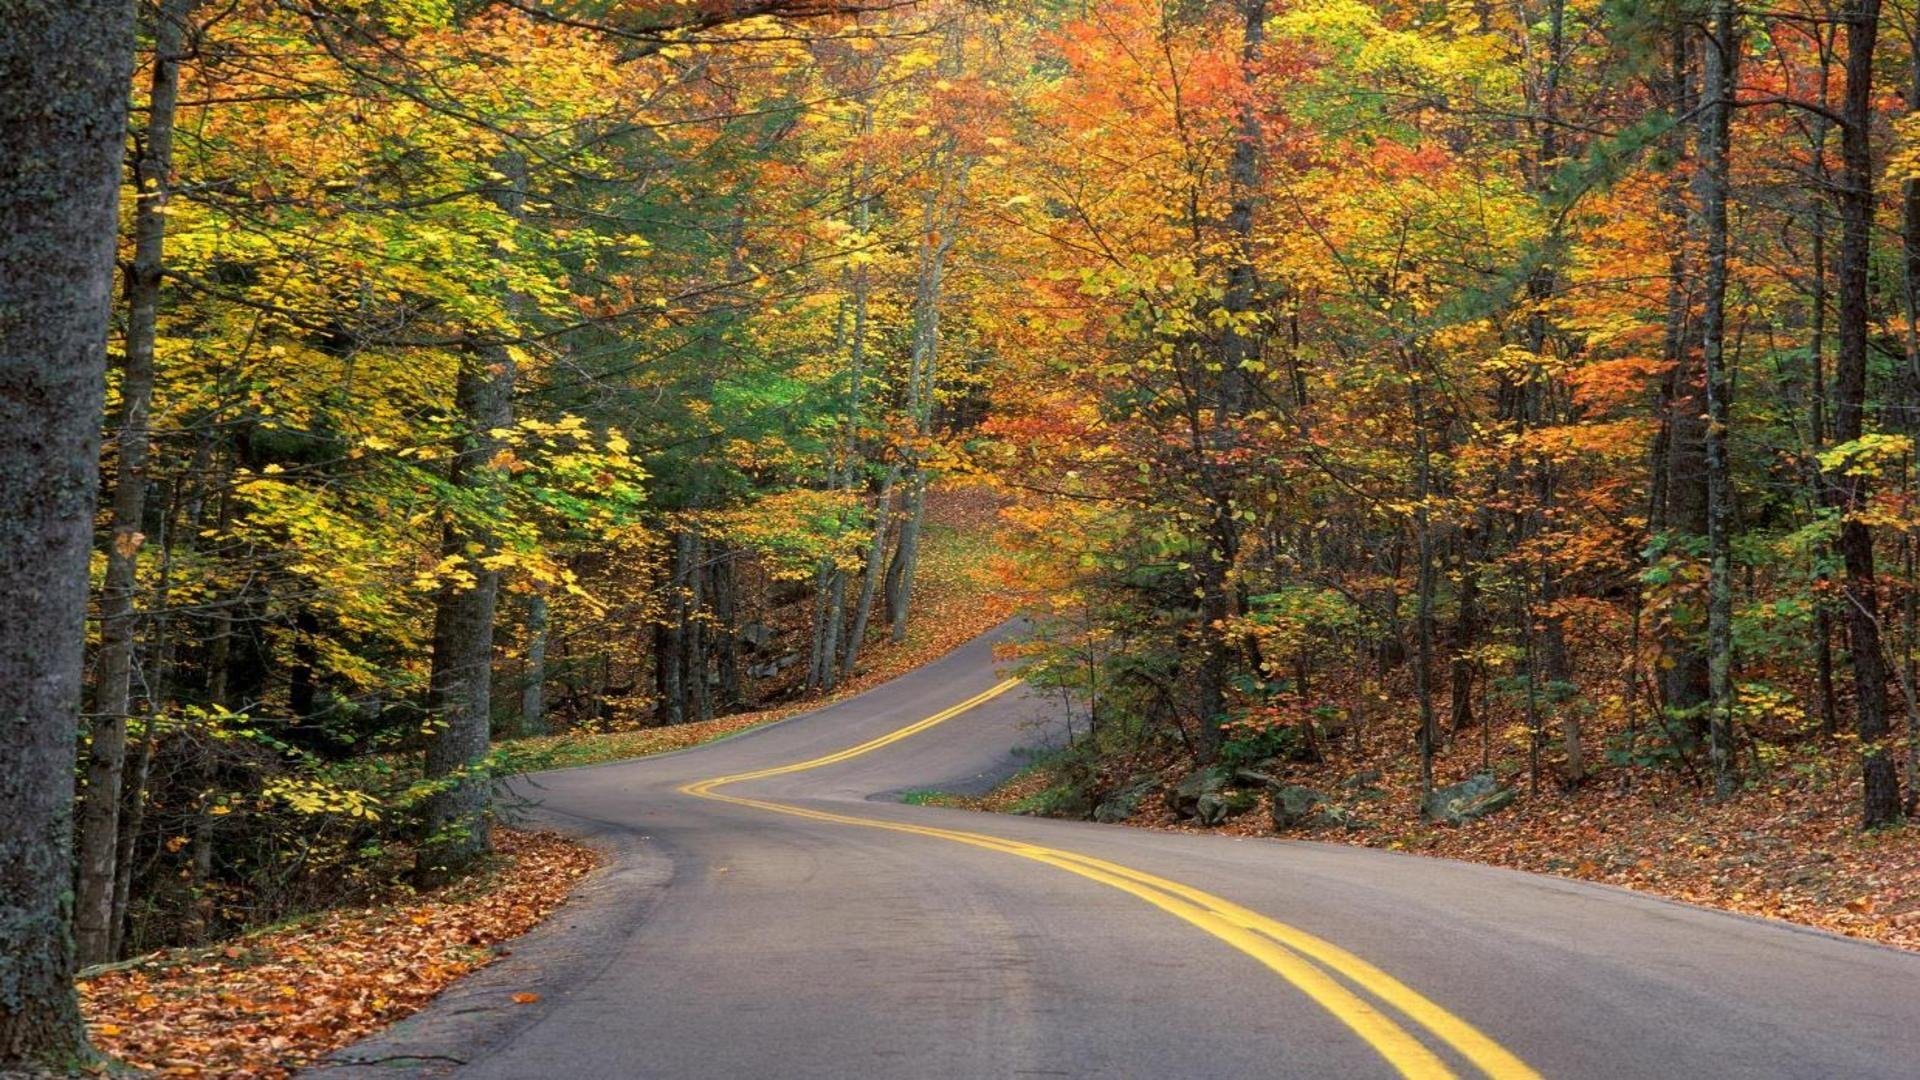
(870, 581)
(460, 691)
(1721, 56)
(533, 696)
(64, 71)
(1854, 196)
(937, 239)
(119, 618)
(1686, 680)
(460, 688)
(726, 615)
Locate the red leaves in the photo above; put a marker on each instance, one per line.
(274, 1001)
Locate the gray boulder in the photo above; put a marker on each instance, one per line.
(1120, 805)
(1215, 807)
(1293, 805)
(1475, 797)
(1184, 797)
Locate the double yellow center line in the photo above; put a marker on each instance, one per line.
(1334, 978)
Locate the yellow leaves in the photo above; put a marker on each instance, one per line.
(452, 571)
(311, 796)
(915, 61)
(1870, 455)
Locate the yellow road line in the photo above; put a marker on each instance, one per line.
(1281, 948)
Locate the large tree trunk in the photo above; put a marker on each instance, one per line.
(460, 688)
(119, 618)
(1854, 196)
(1686, 681)
(460, 691)
(64, 70)
(1239, 346)
(1721, 55)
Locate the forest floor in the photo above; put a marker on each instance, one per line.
(1788, 846)
(267, 1003)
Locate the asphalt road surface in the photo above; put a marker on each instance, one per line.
(760, 919)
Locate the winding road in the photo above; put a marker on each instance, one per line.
(772, 910)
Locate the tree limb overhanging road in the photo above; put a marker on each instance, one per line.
(772, 911)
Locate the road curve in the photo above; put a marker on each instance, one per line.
(772, 911)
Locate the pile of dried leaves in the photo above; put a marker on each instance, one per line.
(1788, 850)
(265, 1004)
(1788, 846)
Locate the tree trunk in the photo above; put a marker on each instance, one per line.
(936, 241)
(460, 691)
(906, 557)
(694, 636)
(870, 581)
(726, 615)
(1817, 428)
(829, 611)
(64, 70)
(119, 619)
(1428, 737)
(1686, 680)
(1721, 55)
(670, 666)
(1854, 196)
(1240, 346)
(533, 696)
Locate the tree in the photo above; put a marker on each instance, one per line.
(64, 70)
(1852, 489)
(94, 923)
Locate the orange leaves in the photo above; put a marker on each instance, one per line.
(1607, 384)
(280, 999)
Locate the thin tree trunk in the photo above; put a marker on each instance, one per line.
(64, 70)
(870, 581)
(671, 642)
(119, 618)
(1429, 735)
(726, 614)
(1721, 56)
(693, 637)
(160, 648)
(906, 557)
(1817, 429)
(533, 696)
